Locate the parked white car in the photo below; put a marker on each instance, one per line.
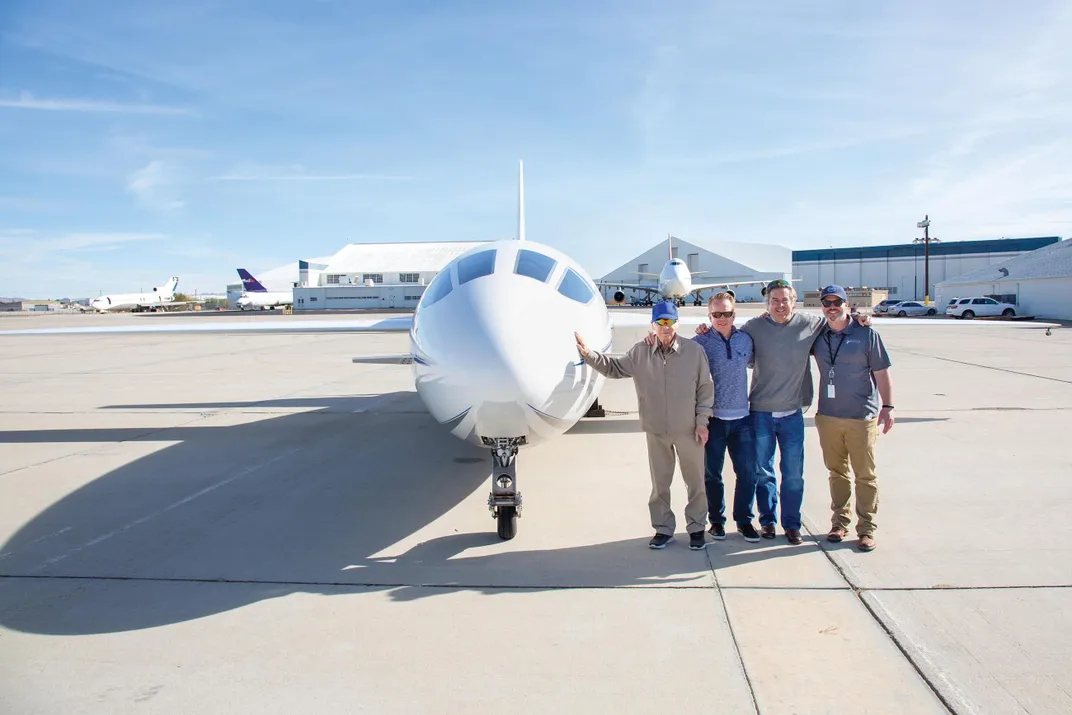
(979, 308)
(911, 307)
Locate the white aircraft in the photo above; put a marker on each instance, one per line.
(675, 281)
(158, 299)
(256, 295)
(492, 348)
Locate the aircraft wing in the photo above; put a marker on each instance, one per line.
(235, 325)
(626, 286)
(724, 284)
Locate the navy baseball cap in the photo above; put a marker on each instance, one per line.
(665, 309)
(833, 290)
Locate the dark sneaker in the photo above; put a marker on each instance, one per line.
(837, 533)
(767, 531)
(867, 542)
(794, 536)
(659, 541)
(697, 541)
(748, 532)
(717, 532)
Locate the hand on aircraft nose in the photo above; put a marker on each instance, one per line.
(581, 347)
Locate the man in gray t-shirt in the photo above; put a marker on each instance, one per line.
(855, 398)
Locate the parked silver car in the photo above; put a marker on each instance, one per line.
(911, 308)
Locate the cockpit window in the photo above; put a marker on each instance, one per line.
(575, 287)
(675, 262)
(439, 288)
(534, 265)
(476, 266)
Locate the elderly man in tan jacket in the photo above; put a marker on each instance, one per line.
(675, 394)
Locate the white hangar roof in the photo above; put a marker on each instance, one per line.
(1053, 261)
(392, 257)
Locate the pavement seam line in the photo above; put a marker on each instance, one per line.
(733, 634)
(887, 630)
(987, 367)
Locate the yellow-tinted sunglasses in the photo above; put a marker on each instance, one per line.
(665, 322)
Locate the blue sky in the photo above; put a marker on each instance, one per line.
(147, 139)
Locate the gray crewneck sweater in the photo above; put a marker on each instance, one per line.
(781, 378)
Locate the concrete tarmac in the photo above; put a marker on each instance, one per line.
(214, 523)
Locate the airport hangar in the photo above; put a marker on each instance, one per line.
(394, 275)
(1038, 283)
(900, 269)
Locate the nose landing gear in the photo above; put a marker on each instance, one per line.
(504, 502)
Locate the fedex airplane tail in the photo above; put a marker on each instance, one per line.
(250, 283)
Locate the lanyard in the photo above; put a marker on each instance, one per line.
(832, 352)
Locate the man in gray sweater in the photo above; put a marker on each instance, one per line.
(675, 394)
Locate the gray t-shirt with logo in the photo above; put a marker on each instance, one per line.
(855, 353)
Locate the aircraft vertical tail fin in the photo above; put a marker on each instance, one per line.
(169, 287)
(249, 283)
(669, 247)
(520, 200)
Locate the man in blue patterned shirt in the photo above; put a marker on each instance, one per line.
(729, 353)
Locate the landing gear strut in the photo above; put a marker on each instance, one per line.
(504, 500)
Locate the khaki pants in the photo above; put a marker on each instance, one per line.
(844, 441)
(690, 454)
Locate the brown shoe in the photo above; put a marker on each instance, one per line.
(794, 536)
(837, 533)
(767, 531)
(867, 542)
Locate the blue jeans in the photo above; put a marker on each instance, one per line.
(738, 437)
(787, 434)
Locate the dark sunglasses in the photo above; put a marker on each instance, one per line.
(836, 303)
(721, 313)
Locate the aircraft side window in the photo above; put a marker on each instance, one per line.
(476, 266)
(438, 289)
(534, 265)
(575, 287)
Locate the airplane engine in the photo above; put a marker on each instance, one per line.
(619, 297)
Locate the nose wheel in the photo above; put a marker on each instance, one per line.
(504, 502)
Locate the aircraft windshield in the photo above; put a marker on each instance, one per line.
(575, 287)
(476, 266)
(439, 288)
(534, 265)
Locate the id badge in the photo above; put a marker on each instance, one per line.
(829, 390)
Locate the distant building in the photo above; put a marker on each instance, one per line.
(374, 275)
(900, 269)
(1039, 283)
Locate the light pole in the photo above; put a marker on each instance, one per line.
(925, 224)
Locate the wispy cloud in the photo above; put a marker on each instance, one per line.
(155, 186)
(297, 172)
(28, 101)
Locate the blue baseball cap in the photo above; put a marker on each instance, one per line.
(833, 290)
(665, 309)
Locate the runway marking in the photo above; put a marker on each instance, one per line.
(114, 532)
(6, 554)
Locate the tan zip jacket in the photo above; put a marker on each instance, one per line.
(674, 388)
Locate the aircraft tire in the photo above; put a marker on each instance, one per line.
(506, 519)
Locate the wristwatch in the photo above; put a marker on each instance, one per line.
(887, 407)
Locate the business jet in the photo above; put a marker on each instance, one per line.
(158, 299)
(674, 282)
(492, 349)
(255, 295)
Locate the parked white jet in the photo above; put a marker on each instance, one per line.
(256, 295)
(159, 298)
(675, 282)
(492, 349)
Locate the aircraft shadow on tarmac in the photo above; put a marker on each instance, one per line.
(249, 507)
